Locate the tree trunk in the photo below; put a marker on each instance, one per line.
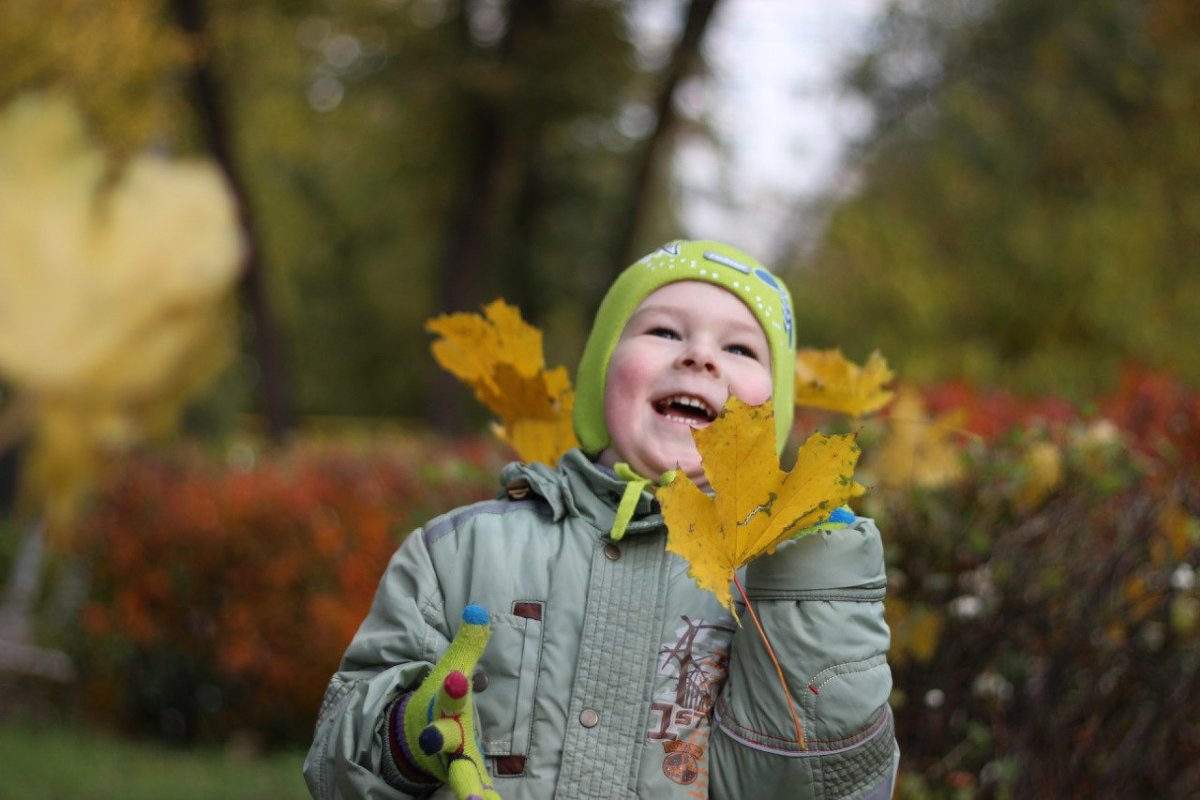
(682, 63)
(275, 395)
(473, 234)
(466, 245)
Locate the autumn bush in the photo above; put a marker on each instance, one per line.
(1044, 605)
(223, 594)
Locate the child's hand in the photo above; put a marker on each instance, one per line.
(439, 720)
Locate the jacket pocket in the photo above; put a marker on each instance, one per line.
(511, 665)
(848, 696)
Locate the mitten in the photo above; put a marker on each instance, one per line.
(439, 717)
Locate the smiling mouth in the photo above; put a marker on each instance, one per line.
(686, 409)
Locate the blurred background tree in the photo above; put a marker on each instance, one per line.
(392, 160)
(1026, 209)
(1022, 211)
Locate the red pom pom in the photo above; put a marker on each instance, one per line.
(456, 684)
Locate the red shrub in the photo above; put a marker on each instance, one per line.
(991, 413)
(1159, 412)
(223, 599)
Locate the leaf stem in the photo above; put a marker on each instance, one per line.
(778, 669)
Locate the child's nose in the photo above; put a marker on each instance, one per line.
(699, 357)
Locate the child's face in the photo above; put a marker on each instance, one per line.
(685, 349)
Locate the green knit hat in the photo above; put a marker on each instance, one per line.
(763, 293)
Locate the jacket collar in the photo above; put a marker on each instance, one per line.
(585, 489)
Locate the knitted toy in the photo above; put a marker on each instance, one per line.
(439, 717)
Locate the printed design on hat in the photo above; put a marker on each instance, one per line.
(769, 280)
(727, 261)
(668, 256)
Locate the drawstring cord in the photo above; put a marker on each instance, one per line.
(634, 486)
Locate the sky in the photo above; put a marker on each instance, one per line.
(773, 99)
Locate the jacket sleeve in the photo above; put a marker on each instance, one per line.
(820, 600)
(394, 648)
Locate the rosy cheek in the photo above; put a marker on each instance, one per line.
(756, 398)
(619, 394)
(754, 390)
(625, 377)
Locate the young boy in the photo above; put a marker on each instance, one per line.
(609, 674)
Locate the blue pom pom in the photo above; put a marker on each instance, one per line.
(475, 615)
(842, 515)
(431, 741)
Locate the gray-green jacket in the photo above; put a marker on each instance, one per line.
(609, 674)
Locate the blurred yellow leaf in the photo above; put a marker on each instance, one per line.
(113, 290)
(918, 451)
(756, 505)
(1041, 474)
(499, 356)
(916, 632)
(825, 379)
(1178, 531)
(1142, 597)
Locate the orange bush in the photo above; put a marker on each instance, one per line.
(222, 599)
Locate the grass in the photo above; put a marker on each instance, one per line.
(59, 762)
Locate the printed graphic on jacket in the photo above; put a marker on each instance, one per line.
(691, 671)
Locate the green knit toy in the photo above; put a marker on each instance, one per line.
(439, 719)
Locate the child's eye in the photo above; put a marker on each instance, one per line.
(741, 350)
(664, 333)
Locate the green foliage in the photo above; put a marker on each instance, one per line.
(1025, 211)
(386, 144)
(115, 60)
(399, 160)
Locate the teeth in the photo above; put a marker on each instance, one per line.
(690, 401)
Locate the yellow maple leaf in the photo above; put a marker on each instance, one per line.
(499, 356)
(756, 504)
(825, 379)
(472, 345)
(919, 451)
